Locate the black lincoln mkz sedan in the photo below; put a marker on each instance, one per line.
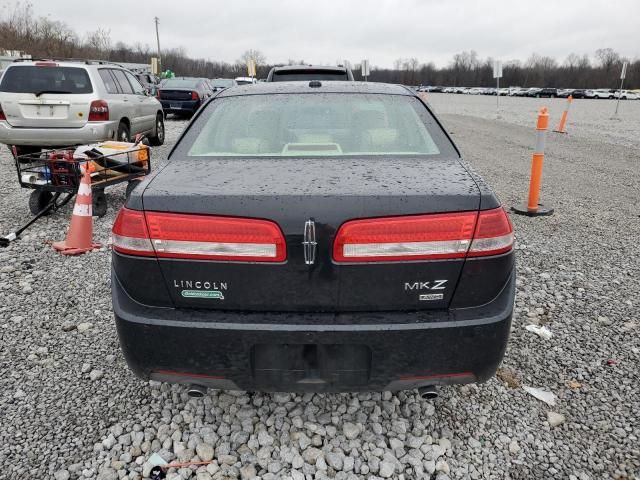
(314, 236)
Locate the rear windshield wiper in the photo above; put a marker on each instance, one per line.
(50, 91)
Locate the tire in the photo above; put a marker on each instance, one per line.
(38, 200)
(131, 186)
(124, 134)
(99, 206)
(158, 139)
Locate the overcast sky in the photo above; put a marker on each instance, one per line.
(324, 31)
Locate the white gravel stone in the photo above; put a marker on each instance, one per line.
(84, 326)
(514, 448)
(555, 419)
(386, 469)
(248, 472)
(334, 460)
(61, 475)
(205, 452)
(350, 430)
(311, 455)
(442, 466)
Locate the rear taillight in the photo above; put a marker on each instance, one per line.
(195, 96)
(494, 234)
(2, 115)
(424, 237)
(99, 111)
(158, 93)
(130, 234)
(204, 237)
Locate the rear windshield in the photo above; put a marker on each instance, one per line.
(180, 83)
(308, 74)
(46, 79)
(333, 124)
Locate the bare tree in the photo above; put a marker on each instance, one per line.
(99, 42)
(607, 58)
(256, 55)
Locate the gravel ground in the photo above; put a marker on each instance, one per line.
(70, 408)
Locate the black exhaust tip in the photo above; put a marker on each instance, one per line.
(428, 393)
(196, 391)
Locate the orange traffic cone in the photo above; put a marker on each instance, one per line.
(80, 235)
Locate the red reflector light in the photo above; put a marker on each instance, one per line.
(204, 237)
(424, 237)
(195, 96)
(130, 234)
(98, 111)
(2, 115)
(494, 234)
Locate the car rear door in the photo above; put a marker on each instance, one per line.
(130, 106)
(147, 106)
(46, 95)
(116, 98)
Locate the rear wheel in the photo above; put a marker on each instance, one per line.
(99, 206)
(158, 138)
(124, 134)
(38, 200)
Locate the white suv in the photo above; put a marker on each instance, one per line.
(599, 93)
(52, 104)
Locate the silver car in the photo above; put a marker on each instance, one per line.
(52, 104)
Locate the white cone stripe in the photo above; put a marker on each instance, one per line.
(84, 189)
(82, 210)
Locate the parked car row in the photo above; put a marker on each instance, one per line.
(50, 103)
(605, 93)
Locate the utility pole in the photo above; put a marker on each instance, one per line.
(157, 20)
(622, 77)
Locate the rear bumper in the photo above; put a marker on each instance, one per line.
(320, 352)
(57, 137)
(180, 106)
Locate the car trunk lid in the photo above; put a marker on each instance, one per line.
(175, 94)
(293, 192)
